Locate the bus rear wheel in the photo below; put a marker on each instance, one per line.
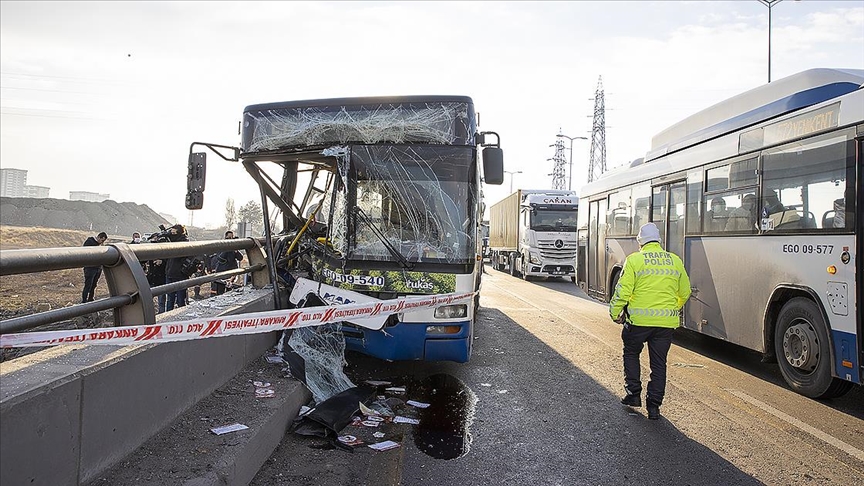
(803, 350)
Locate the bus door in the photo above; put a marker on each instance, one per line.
(597, 248)
(667, 212)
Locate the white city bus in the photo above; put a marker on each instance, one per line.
(759, 195)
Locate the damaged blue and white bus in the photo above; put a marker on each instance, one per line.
(379, 198)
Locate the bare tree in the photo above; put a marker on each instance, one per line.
(230, 214)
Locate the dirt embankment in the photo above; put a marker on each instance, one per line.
(29, 293)
(109, 216)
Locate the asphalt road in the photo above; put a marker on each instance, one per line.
(538, 404)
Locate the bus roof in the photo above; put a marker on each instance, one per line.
(728, 143)
(355, 101)
(770, 100)
(308, 125)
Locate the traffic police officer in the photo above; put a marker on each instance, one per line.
(647, 301)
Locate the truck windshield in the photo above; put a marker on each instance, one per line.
(418, 197)
(553, 220)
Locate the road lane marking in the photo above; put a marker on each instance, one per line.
(562, 319)
(847, 448)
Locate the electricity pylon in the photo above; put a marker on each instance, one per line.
(597, 162)
(558, 179)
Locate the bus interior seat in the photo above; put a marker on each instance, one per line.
(828, 221)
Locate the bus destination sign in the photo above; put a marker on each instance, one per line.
(802, 125)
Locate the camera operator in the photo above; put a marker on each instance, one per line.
(226, 260)
(155, 269)
(174, 269)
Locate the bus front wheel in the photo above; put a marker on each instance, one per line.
(803, 350)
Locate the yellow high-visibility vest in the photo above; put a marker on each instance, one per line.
(654, 286)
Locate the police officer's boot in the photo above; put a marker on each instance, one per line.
(632, 400)
(653, 412)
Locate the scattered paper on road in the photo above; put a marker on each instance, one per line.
(265, 393)
(228, 428)
(366, 410)
(395, 389)
(384, 446)
(417, 404)
(405, 420)
(378, 435)
(274, 359)
(350, 440)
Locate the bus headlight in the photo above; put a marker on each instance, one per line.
(451, 311)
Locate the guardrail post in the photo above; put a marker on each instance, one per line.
(256, 256)
(128, 277)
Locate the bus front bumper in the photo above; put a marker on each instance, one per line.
(427, 341)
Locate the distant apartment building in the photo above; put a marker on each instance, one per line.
(12, 182)
(36, 191)
(87, 196)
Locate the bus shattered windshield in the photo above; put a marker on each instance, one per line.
(408, 203)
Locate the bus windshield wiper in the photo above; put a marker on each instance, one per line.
(393, 251)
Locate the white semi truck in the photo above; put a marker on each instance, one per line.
(532, 233)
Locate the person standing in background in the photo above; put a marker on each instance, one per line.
(226, 260)
(91, 274)
(174, 269)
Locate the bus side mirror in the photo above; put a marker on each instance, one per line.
(493, 165)
(197, 172)
(195, 179)
(194, 200)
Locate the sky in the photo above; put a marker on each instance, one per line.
(107, 97)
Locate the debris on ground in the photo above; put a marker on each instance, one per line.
(228, 428)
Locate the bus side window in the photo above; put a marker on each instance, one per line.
(743, 218)
(694, 202)
(618, 215)
(641, 206)
(806, 184)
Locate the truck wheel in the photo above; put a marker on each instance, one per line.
(803, 350)
(524, 272)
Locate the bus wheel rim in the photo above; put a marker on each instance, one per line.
(801, 346)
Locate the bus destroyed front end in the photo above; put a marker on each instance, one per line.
(380, 200)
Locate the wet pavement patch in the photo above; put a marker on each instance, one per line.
(444, 428)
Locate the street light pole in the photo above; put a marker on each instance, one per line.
(511, 178)
(769, 4)
(561, 135)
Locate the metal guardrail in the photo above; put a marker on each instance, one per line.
(131, 296)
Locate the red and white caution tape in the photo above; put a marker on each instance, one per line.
(252, 323)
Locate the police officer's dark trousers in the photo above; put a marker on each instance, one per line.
(659, 341)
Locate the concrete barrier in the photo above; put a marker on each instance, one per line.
(69, 413)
